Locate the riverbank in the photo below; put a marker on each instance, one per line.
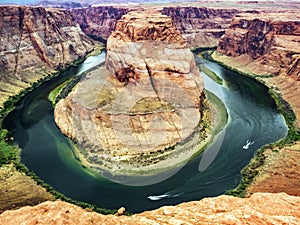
(17, 189)
(274, 168)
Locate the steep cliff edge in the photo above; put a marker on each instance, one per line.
(201, 27)
(261, 208)
(270, 41)
(99, 22)
(145, 102)
(266, 44)
(35, 42)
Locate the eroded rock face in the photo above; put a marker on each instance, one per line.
(261, 208)
(34, 42)
(201, 27)
(146, 101)
(99, 22)
(266, 44)
(270, 41)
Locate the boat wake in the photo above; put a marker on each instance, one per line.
(159, 197)
(247, 145)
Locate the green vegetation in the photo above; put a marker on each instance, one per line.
(8, 153)
(55, 92)
(66, 88)
(211, 74)
(97, 50)
(221, 110)
(289, 115)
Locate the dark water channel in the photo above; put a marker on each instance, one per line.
(252, 116)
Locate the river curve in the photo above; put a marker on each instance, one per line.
(252, 117)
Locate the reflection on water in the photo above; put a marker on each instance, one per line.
(252, 116)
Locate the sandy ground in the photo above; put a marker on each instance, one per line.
(280, 173)
(17, 189)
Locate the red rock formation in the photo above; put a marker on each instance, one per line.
(34, 42)
(99, 22)
(201, 27)
(149, 99)
(266, 44)
(271, 41)
(258, 209)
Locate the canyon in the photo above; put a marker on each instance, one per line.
(146, 101)
(36, 43)
(55, 38)
(264, 45)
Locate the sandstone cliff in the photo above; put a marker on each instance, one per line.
(99, 22)
(201, 27)
(266, 44)
(258, 209)
(146, 102)
(269, 41)
(34, 43)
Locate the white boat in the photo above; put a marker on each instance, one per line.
(247, 145)
(158, 197)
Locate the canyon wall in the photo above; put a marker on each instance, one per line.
(261, 208)
(99, 22)
(270, 41)
(36, 42)
(145, 102)
(266, 45)
(201, 27)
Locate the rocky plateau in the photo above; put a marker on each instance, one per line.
(147, 100)
(260, 208)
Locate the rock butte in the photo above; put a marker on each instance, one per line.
(146, 101)
(260, 208)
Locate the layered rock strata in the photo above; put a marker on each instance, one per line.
(261, 208)
(145, 102)
(266, 44)
(34, 43)
(99, 22)
(201, 27)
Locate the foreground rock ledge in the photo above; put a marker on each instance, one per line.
(149, 98)
(260, 208)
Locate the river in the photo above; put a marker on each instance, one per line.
(252, 117)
